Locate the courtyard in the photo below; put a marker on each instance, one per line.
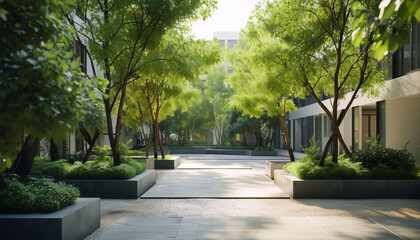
(191, 203)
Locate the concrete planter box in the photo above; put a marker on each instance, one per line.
(224, 152)
(270, 166)
(357, 189)
(263, 153)
(76, 221)
(131, 188)
(167, 163)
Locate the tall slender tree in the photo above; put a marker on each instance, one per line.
(118, 34)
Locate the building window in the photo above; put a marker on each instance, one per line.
(327, 126)
(81, 10)
(231, 43)
(381, 121)
(80, 52)
(355, 124)
(222, 43)
(416, 45)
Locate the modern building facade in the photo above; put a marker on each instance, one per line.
(394, 115)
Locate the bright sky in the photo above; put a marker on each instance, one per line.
(230, 15)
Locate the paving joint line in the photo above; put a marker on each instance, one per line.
(389, 230)
(316, 224)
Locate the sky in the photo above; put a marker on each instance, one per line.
(230, 15)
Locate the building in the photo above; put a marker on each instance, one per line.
(394, 114)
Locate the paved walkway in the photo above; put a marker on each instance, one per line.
(214, 176)
(264, 228)
(177, 214)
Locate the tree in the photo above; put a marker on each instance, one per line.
(165, 85)
(42, 88)
(118, 34)
(388, 22)
(218, 94)
(91, 126)
(261, 84)
(318, 51)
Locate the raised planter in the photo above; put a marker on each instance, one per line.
(131, 188)
(357, 189)
(167, 163)
(263, 153)
(270, 166)
(76, 221)
(224, 152)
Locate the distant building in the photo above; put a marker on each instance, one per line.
(227, 38)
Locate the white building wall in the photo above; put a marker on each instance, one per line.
(403, 123)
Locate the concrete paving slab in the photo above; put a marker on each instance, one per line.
(216, 183)
(258, 228)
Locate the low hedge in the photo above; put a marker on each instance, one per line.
(44, 167)
(346, 169)
(93, 169)
(41, 196)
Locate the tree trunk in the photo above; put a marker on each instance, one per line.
(286, 139)
(89, 140)
(54, 154)
(25, 159)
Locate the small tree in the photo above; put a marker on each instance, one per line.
(118, 34)
(218, 94)
(316, 49)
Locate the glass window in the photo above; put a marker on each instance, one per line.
(406, 64)
(355, 128)
(231, 43)
(416, 45)
(222, 43)
(381, 121)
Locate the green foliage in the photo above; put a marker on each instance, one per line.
(378, 158)
(313, 151)
(45, 168)
(386, 21)
(263, 148)
(347, 169)
(105, 170)
(102, 153)
(42, 86)
(75, 157)
(41, 196)
(308, 169)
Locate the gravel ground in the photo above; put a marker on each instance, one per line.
(112, 210)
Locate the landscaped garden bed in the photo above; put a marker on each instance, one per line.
(42, 209)
(100, 178)
(75, 221)
(377, 172)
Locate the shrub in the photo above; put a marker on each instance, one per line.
(308, 169)
(313, 151)
(105, 170)
(102, 153)
(41, 196)
(75, 157)
(262, 148)
(346, 169)
(44, 167)
(400, 161)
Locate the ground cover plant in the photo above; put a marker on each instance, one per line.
(376, 162)
(41, 196)
(101, 167)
